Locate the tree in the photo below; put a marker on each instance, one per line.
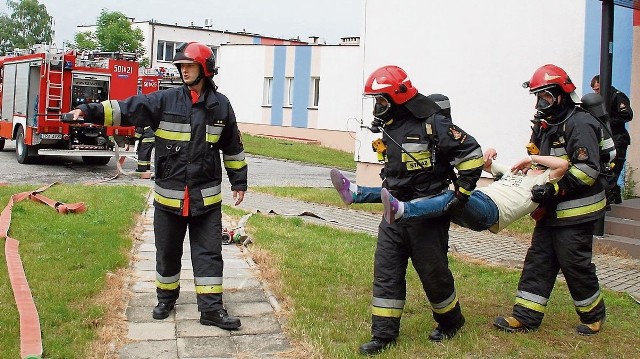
(32, 20)
(113, 33)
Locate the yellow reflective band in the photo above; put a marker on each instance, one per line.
(386, 312)
(462, 190)
(108, 113)
(209, 289)
(212, 138)
(380, 156)
(234, 165)
(424, 159)
(169, 202)
(530, 305)
(556, 187)
(590, 307)
(167, 286)
(470, 164)
(175, 136)
(447, 308)
(212, 200)
(579, 211)
(148, 139)
(144, 162)
(583, 177)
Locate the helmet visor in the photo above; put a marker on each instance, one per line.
(381, 107)
(544, 100)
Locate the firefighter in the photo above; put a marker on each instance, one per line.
(620, 112)
(575, 206)
(410, 122)
(192, 124)
(146, 140)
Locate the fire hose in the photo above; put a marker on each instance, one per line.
(30, 337)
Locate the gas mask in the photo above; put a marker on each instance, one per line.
(548, 107)
(382, 109)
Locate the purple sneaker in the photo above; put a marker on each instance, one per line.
(341, 184)
(390, 204)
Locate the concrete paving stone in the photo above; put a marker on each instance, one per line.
(204, 347)
(244, 295)
(241, 283)
(187, 297)
(160, 330)
(145, 264)
(621, 287)
(147, 247)
(249, 309)
(148, 236)
(143, 315)
(235, 263)
(187, 311)
(186, 274)
(238, 272)
(151, 255)
(193, 328)
(187, 285)
(145, 299)
(157, 349)
(260, 345)
(145, 276)
(142, 286)
(265, 324)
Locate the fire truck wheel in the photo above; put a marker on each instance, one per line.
(23, 151)
(95, 161)
(1, 144)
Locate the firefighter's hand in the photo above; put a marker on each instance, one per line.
(238, 196)
(455, 206)
(543, 193)
(375, 125)
(72, 116)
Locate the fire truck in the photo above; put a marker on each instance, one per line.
(39, 86)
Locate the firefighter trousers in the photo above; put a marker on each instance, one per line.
(205, 238)
(425, 242)
(145, 147)
(552, 249)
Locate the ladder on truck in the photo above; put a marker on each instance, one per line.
(55, 82)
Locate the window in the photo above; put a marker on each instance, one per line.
(266, 91)
(166, 50)
(315, 91)
(288, 95)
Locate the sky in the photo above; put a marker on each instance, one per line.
(328, 19)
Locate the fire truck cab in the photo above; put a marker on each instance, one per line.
(40, 85)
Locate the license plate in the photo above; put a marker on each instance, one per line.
(51, 136)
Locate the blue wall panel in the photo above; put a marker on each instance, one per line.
(301, 86)
(277, 86)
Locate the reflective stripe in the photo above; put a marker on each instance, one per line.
(581, 206)
(416, 147)
(167, 197)
(211, 195)
(169, 202)
(174, 131)
(531, 301)
(587, 305)
(465, 191)
(532, 297)
(117, 115)
(446, 305)
(173, 278)
(208, 289)
(234, 161)
(238, 157)
(584, 173)
(148, 139)
(144, 162)
(470, 164)
(108, 113)
(208, 280)
(558, 152)
(213, 133)
(170, 193)
(530, 305)
(384, 307)
(167, 286)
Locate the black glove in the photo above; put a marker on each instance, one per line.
(456, 205)
(543, 193)
(375, 124)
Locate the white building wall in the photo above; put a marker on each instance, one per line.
(478, 53)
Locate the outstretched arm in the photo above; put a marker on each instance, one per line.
(557, 165)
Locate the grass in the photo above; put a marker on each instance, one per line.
(322, 277)
(300, 152)
(67, 259)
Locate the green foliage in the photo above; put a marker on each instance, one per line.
(66, 259)
(114, 33)
(326, 273)
(34, 23)
(296, 151)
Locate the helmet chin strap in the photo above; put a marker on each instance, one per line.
(194, 82)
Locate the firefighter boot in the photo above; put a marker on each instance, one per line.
(391, 206)
(220, 318)
(162, 310)
(439, 334)
(510, 324)
(376, 345)
(342, 185)
(591, 328)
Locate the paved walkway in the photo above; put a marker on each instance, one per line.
(261, 336)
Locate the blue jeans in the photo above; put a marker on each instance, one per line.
(368, 195)
(479, 213)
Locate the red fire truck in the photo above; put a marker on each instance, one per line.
(39, 86)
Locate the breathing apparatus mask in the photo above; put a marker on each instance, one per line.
(382, 109)
(548, 108)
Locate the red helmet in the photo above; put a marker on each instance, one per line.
(195, 52)
(392, 81)
(548, 76)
